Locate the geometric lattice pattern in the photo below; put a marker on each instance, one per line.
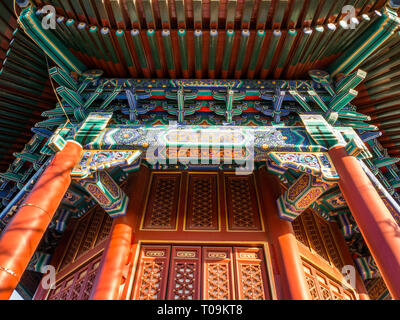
(252, 277)
(152, 273)
(150, 282)
(217, 269)
(200, 273)
(89, 231)
(78, 285)
(322, 287)
(242, 203)
(218, 281)
(252, 282)
(202, 204)
(162, 204)
(316, 235)
(184, 281)
(185, 278)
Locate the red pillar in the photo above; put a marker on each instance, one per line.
(344, 250)
(116, 257)
(20, 239)
(282, 237)
(378, 227)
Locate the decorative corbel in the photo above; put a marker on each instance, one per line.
(300, 196)
(102, 187)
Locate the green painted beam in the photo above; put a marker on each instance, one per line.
(54, 48)
(242, 49)
(212, 56)
(351, 81)
(229, 37)
(94, 32)
(371, 39)
(183, 49)
(169, 56)
(305, 37)
(151, 36)
(290, 37)
(198, 50)
(105, 33)
(276, 36)
(120, 34)
(137, 43)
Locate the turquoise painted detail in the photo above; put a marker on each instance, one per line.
(56, 50)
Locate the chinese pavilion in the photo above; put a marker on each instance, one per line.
(200, 149)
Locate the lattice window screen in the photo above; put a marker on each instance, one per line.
(78, 285)
(315, 233)
(321, 287)
(89, 232)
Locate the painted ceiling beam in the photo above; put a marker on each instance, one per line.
(54, 48)
(371, 39)
(351, 81)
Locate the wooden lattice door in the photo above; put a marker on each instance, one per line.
(194, 272)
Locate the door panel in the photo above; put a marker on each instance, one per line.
(152, 273)
(251, 274)
(218, 274)
(184, 281)
(206, 273)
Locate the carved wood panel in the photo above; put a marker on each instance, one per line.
(314, 236)
(162, 205)
(75, 241)
(104, 229)
(206, 273)
(251, 274)
(78, 285)
(322, 287)
(152, 273)
(218, 274)
(202, 202)
(90, 230)
(184, 282)
(299, 231)
(330, 245)
(315, 233)
(242, 205)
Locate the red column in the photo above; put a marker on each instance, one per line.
(282, 236)
(344, 251)
(20, 239)
(378, 227)
(116, 257)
